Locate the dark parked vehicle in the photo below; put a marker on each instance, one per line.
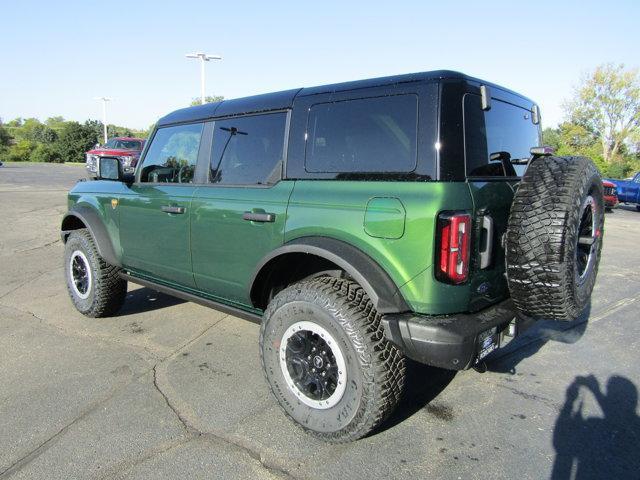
(360, 223)
(628, 190)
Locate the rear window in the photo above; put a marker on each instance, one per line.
(503, 128)
(369, 135)
(248, 150)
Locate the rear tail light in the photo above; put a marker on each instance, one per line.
(452, 247)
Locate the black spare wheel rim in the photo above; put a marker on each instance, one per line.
(313, 365)
(588, 234)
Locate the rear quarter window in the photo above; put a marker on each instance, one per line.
(503, 128)
(367, 135)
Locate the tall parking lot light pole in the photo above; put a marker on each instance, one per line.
(104, 114)
(203, 58)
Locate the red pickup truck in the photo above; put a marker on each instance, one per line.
(125, 149)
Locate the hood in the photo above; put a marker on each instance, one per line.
(115, 152)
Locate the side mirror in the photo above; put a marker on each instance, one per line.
(110, 168)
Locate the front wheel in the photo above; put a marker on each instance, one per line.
(327, 361)
(95, 287)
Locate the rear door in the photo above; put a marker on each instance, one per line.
(239, 216)
(494, 138)
(154, 215)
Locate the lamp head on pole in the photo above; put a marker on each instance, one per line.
(203, 56)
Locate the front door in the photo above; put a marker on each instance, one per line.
(154, 216)
(240, 215)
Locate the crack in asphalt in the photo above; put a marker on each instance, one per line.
(155, 351)
(44, 446)
(28, 281)
(38, 248)
(220, 436)
(192, 433)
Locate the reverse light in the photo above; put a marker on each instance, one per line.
(453, 240)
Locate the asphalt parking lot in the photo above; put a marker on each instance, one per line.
(169, 389)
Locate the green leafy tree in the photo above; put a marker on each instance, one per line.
(45, 153)
(35, 131)
(5, 137)
(208, 99)
(607, 105)
(74, 140)
(18, 152)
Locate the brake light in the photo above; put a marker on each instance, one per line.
(452, 239)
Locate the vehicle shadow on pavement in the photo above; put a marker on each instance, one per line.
(505, 360)
(593, 447)
(145, 299)
(422, 385)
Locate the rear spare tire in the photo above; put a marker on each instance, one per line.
(554, 237)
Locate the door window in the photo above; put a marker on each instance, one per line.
(172, 155)
(248, 150)
(368, 135)
(503, 128)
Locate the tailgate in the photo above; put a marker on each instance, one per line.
(492, 202)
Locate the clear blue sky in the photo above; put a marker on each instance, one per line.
(56, 56)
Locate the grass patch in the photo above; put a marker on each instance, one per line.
(75, 164)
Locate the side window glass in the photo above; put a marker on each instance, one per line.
(172, 155)
(504, 128)
(248, 150)
(368, 135)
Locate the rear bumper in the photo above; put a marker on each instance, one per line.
(455, 342)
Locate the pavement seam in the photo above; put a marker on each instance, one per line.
(188, 424)
(26, 282)
(154, 351)
(121, 468)
(42, 447)
(38, 248)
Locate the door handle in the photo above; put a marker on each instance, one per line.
(259, 217)
(172, 209)
(485, 254)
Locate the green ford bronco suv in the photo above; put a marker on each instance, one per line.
(360, 223)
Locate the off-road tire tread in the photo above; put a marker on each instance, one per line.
(539, 240)
(110, 289)
(354, 311)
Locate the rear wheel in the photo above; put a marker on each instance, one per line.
(327, 361)
(554, 237)
(94, 286)
(638, 208)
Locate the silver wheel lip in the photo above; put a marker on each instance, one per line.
(83, 258)
(337, 395)
(595, 220)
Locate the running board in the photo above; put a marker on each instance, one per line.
(190, 297)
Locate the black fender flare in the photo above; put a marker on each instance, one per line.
(381, 289)
(93, 222)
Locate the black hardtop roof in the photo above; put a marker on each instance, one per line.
(284, 99)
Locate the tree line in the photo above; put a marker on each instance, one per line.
(601, 121)
(55, 140)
